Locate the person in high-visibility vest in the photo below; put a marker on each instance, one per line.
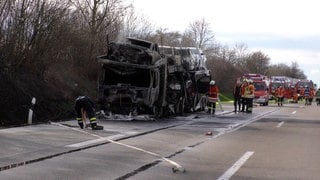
(242, 93)
(85, 106)
(280, 95)
(249, 94)
(213, 97)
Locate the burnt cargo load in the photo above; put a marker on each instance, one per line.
(188, 79)
(141, 81)
(133, 80)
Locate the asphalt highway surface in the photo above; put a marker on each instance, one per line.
(271, 143)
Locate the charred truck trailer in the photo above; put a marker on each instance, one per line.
(137, 82)
(187, 80)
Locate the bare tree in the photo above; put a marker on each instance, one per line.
(199, 33)
(241, 53)
(292, 71)
(167, 38)
(100, 16)
(296, 72)
(223, 72)
(136, 25)
(257, 62)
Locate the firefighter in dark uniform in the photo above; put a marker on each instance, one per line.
(85, 106)
(237, 96)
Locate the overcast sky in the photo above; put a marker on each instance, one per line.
(287, 31)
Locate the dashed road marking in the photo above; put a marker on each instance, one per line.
(294, 112)
(280, 124)
(236, 166)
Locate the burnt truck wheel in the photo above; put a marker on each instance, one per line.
(195, 103)
(180, 106)
(157, 111)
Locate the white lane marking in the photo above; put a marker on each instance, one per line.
(177, 166)
(280, 124)
(85, 143)
(116, 136)
(294, 112)
(236, 166)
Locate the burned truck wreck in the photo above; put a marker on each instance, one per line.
(133, 80)
(137, 81)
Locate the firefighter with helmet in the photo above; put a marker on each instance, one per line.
(280, 95)
(249, 94)
(307, 95)
(242, 93)
(212, 97)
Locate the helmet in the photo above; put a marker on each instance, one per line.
(212, 82)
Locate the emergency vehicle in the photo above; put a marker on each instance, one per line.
(285, 82)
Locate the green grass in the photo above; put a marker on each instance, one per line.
(226, 97)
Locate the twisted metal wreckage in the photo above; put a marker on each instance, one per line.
(140, 80)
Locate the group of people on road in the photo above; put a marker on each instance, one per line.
(243, 94)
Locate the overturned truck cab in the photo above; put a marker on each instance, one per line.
(133, 80)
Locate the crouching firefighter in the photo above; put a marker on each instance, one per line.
(85, 106)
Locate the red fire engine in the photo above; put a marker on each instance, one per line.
(285, 82)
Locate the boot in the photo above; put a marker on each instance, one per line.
(97, 127)
(81, 125)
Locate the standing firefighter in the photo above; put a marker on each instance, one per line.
(307, 95)
(318, 97)
(213, 97)
(249, 94)
(237, 96)
(242, 93)
(280, 95)
(85, 106)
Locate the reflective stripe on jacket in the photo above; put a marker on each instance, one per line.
(249, 91)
